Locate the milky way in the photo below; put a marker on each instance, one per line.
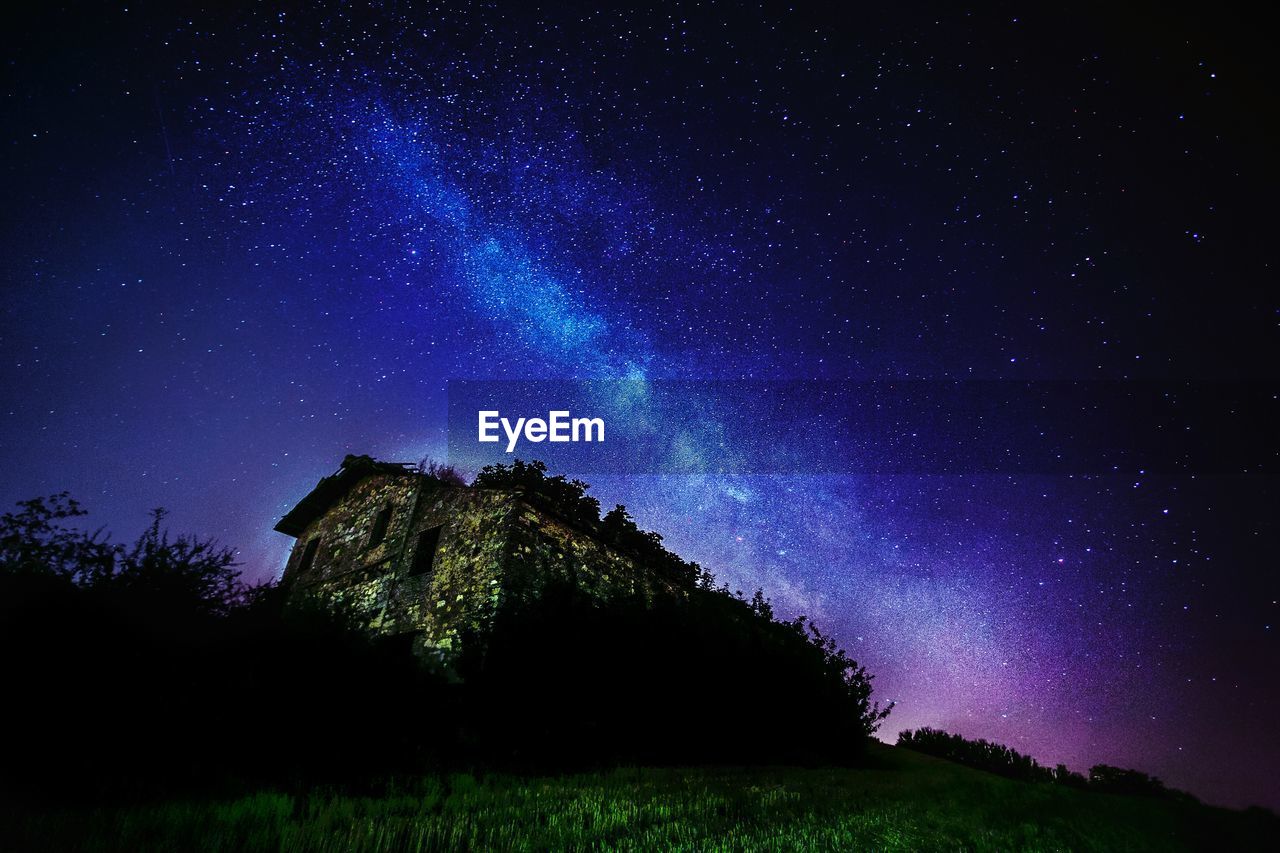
(238, 248)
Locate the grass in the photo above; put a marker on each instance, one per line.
(904, 801)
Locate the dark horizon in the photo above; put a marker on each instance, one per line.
(240, 244)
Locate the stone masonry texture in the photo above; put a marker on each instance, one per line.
(491, 545)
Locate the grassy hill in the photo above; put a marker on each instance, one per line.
(904, 801)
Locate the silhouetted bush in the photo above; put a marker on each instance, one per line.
(115, 695)
(982, 754)
(139, 668)
(1063, 775)
(447, 474)
(1001, 760)
(567, 498)
(142, 668)
(1117, 780)
(569, 680)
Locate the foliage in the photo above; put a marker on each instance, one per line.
(838, 668)
(185, 572)
(729, 659)
(1117, 780)
(901, 802)
(676, 679)
(152, 666)
(1003, 761)
(619, 529)
(982, 754)
(36, 541)
(168, 652)
(566, 497)
(164, 673)
(447, 474)
(569, 499)
(1064, 775)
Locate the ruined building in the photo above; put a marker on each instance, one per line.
(413, 556)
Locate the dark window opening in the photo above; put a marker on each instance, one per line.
(380, 524)
(309, 555)
(424, 555)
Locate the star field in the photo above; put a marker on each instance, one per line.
(240, 244)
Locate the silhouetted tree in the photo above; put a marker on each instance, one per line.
(761, 606)
(1063, 775)
(982, 754)
(1117, 780)
(35, 540)
(447, 474)
(570, 679)
(141, 667)
(1000, 759)
(182, 572)
(566, 497)
(153, 666)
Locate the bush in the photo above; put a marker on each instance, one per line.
(982, 754)
(570, 681)
(1116, 780)
(141, 668)
(152, 667)
(1003, 761)
(567, 498)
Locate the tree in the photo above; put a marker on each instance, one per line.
(761, 606)
(128, 666)
(567, 497)
(446, 474)
(1117, 780)
(36, 541)
(841, 669)
(185, 572)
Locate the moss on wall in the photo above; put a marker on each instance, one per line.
(492, 544)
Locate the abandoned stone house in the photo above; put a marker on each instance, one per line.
(412, 556)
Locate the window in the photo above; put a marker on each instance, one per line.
(309, 555)
(380, 524)
(424, 555)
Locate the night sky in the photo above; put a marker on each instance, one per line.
(238, 245)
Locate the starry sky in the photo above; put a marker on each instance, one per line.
(239, 244)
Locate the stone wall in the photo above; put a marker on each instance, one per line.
(466, 581)
(492, 544)
(546, 548)
(346, 570)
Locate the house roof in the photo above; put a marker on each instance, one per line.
(332, 488)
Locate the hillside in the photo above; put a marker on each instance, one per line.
(902, 801)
